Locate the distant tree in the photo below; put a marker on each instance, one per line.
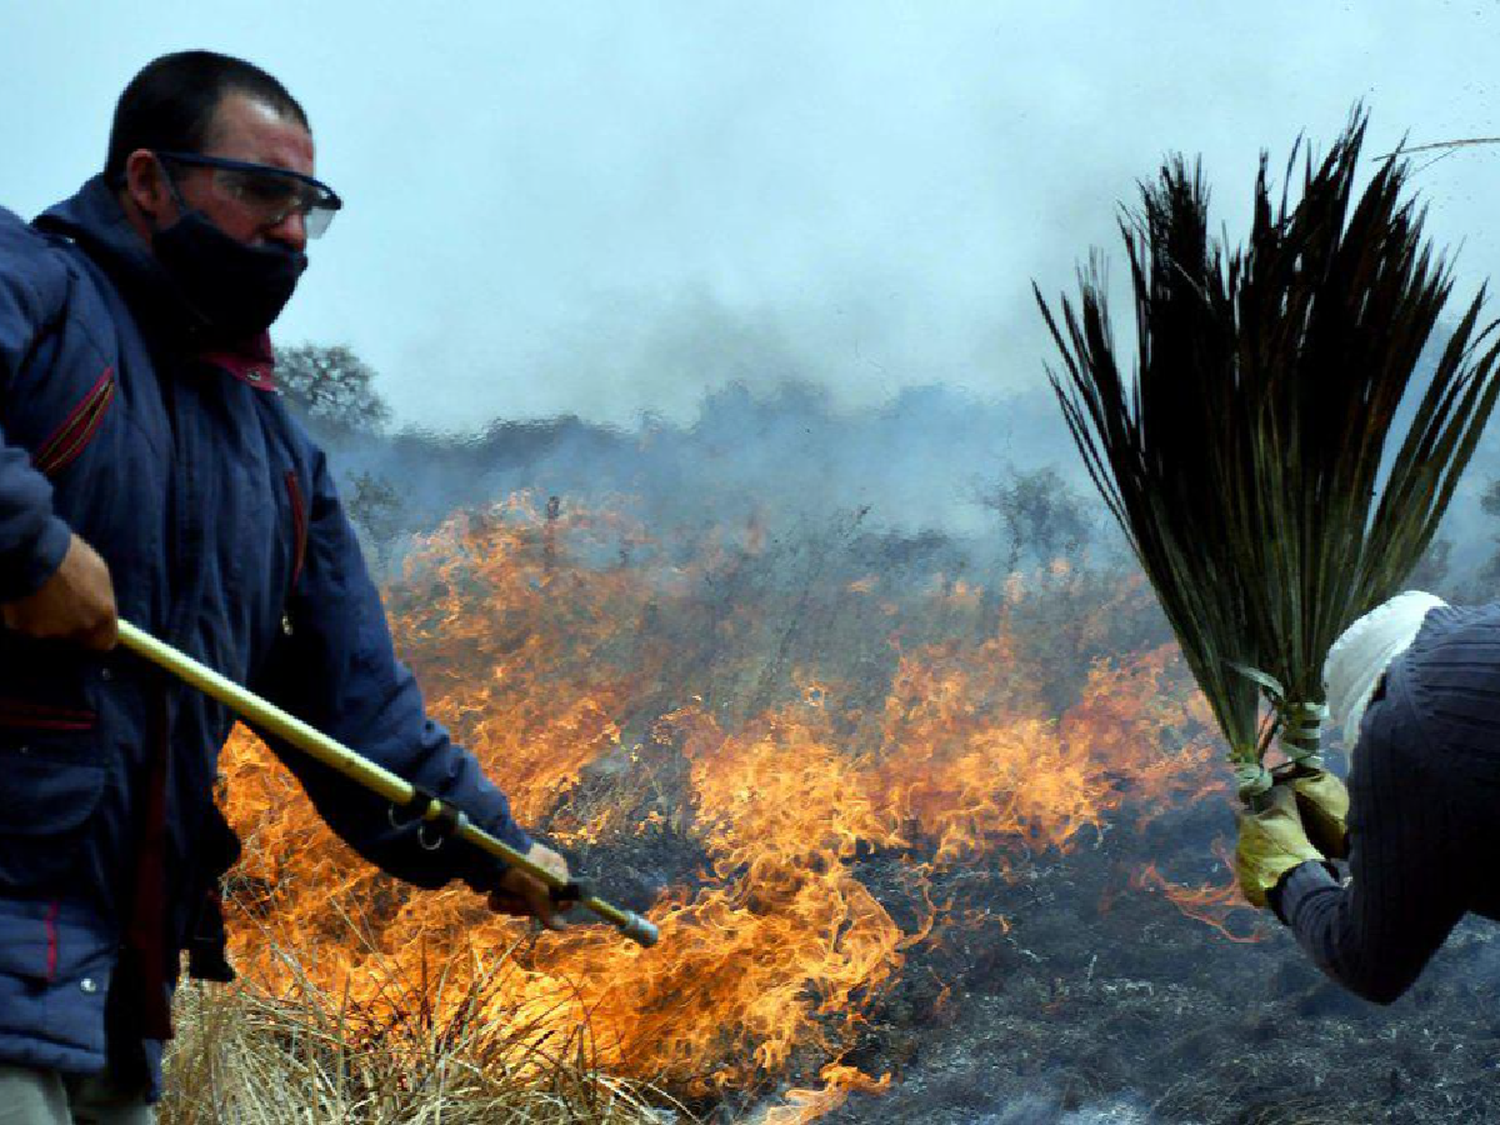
(332, 388)
(1041, 516)
(1432, 571)
(1488, 577)
(1489, 499)
(377, 511)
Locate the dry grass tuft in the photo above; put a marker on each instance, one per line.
(242, 1057)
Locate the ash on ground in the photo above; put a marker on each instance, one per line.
(1103, 1003)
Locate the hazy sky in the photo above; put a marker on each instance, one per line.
(606, 208)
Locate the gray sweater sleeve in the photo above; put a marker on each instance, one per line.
(1409, 874)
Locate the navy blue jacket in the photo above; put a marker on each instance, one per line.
(1424, 790)
(224, 535)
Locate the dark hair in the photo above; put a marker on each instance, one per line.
(170, 104)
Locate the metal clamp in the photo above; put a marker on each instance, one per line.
(413, 810)
(432, 831)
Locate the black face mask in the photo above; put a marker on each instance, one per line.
(235, 290)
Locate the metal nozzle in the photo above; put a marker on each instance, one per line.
(640, 931)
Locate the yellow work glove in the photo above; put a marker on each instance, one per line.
(1272, 842)
(1323, 803)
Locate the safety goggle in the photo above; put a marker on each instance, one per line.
(272, 193)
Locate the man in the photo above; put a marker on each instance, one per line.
(1416, 685)
(146, 462)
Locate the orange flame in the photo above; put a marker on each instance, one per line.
(556, 662)
(1212, 904)
(808, 1105)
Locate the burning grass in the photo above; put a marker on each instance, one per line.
(806, 773)
(246, 1056)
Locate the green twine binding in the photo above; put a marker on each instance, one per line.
(1301, 733)
(1300, 724)
(1251, 779)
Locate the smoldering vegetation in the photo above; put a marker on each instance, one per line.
(931, 468)
(937, 475)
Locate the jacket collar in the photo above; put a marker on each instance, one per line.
(95, 220)
(253, 362)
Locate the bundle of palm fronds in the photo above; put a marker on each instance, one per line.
(1247, 459)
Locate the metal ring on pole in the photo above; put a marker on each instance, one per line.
(432, 832)
(412, 810)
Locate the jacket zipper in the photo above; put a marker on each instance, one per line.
(299, 540)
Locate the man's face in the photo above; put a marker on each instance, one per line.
(243, 129)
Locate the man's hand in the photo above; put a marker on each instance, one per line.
(76, 604)
(1272, 842)
(527, 897)
(1323, 805)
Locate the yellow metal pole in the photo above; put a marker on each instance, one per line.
(272, 719)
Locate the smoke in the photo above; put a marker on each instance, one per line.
(929, 467)
(932, 466)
